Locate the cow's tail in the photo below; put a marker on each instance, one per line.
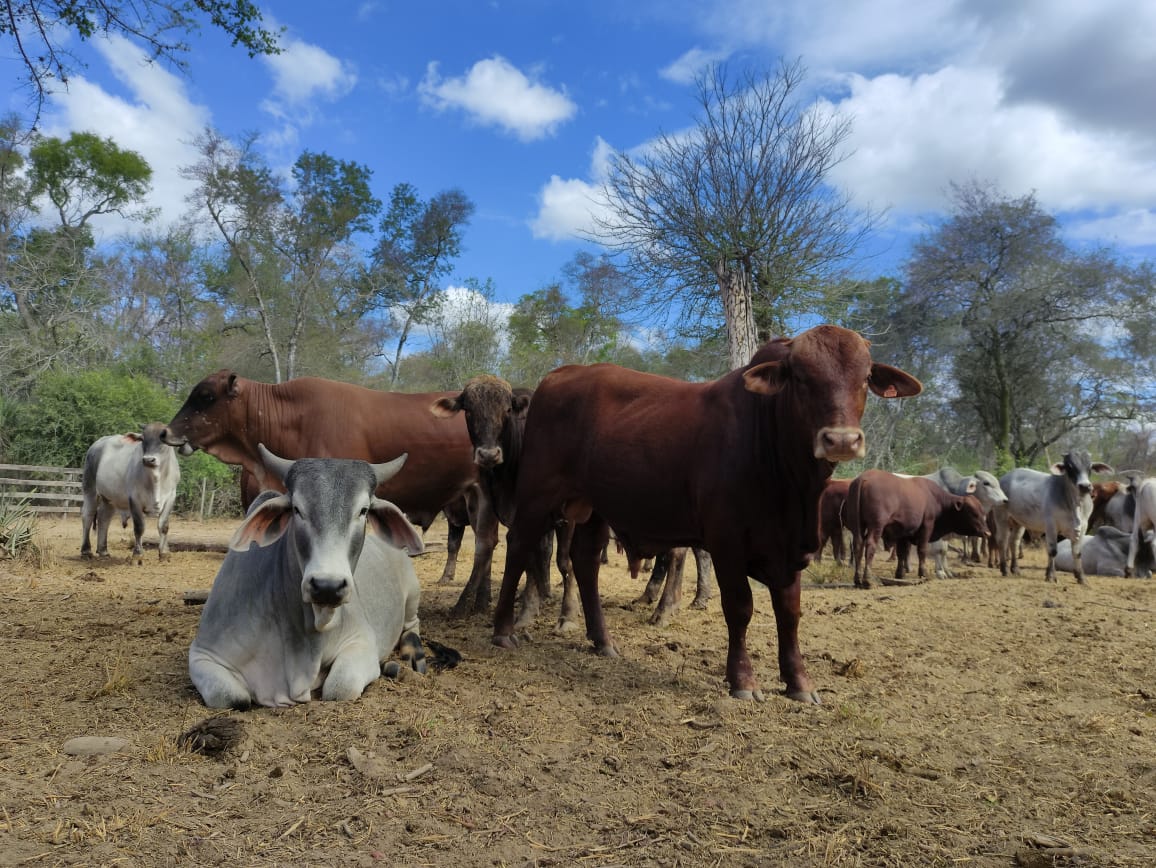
(853, 513)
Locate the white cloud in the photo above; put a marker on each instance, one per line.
(567, 207)
(690, 64)
(158, 121)
(496, 93)
(1134, 228)
(912, 136)
(303, 73)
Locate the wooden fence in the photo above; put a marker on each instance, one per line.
(51, 490)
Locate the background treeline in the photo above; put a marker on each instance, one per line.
(1027, 344)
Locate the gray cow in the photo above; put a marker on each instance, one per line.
(982, 486)
(1055, 504)
(134, 474)
(321, 601)
(1105, 553)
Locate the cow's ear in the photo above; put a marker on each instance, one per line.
(1058, 469)
(887, 381)
(231, 389)
(765, 379)
(970, 489)
(445, 407)
(1101, 467)
(520, 403)
(134, 436)
(390, 523)
(264, 525)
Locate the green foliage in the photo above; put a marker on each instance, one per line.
(86, 175)
(67, 412)
(208, 487)
(17, 528)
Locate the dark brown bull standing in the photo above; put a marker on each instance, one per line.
(227, 416)
(734, 466)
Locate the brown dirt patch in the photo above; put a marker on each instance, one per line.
(972, 721)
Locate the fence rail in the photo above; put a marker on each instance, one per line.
(51, 490)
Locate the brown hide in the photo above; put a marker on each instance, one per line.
(885, 509)
(735, 467)
(227, 416)
(1102, 493)
(831, 504)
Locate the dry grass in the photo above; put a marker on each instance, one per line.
(978, 721)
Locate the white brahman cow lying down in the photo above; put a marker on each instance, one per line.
(134, 474)
(320, 600)
(1105, 553)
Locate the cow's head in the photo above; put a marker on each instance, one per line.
(154, 448)
(328, 507)
(493, 408)
(205, 415)
(825, 373)
(1077, 467)
(988, 491)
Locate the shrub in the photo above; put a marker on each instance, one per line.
(208, 487)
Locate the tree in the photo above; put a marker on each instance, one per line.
(1031, 334)
(39, 31)
(415, 250)
(285, 247)
(85, 176)
(466, 330)
(737, 213)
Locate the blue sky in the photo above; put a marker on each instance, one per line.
(517, 103)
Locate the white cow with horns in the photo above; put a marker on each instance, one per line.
(134, 474)
(321, 599)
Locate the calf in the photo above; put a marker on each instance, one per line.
(134, 474)
(321, 601)
(1057, 504)
(899, 511)
(1105, 553)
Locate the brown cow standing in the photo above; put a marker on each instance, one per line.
(896, 510)
(831, 505)
(734, 466)
(227, 416)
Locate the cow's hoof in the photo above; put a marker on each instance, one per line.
(566, 625)
(606, 650)
(700, 603)
(446, 580)
(88, 556)
(392, 669)
(755, 695)
(661, 617)
(509, 642)
(810, 697)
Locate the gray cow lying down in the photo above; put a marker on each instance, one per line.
(1105, 553)
(323, 597)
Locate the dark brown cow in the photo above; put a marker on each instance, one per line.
(734, 466)
(227, 416)
(495, 415)
(898, 511)
(831, 506)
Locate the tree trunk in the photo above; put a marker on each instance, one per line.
(742, 336)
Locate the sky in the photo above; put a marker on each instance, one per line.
(519, 103)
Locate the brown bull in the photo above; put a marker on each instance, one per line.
(734, 466)
(227, 416)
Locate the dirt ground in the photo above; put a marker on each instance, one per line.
(968, 721)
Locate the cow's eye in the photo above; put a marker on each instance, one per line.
(364, 511)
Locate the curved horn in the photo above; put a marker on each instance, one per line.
(389, 469)
(276, 465)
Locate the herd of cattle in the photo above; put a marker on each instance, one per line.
(315, 593)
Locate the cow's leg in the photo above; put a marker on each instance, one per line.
(354, 669)
(672, 590)
(522, 546)
(921, 554)
(1133, 549)
(1077, 557)
(586, 553)
(868, 545)
(138, 527)
(837, 548)
(902, 558)
(475, 596)
(454, 534)
(788, 611)
(219, 686)
(704, 590)
(537, 577)
(1014, 539)
(163, 530)
(104, 511)
(568, 615)
(658, 573)
(87, 517)
(738, 607)
(411, 651)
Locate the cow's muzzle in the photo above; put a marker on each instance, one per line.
(840, 444)
(326, 591)
(488, 456)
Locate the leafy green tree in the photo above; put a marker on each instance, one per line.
(39, 31)
(417, 244)
(1030, 333)
(736, 216)
(466, 330)
(84, 176)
